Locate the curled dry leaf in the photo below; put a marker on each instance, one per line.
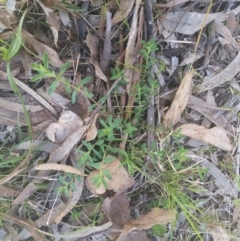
(92, 43)
(117, 209)
(215, 136)
(180, 101)
(120, 181)
(155, 216)
(67, 124)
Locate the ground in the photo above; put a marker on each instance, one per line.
(119, 120)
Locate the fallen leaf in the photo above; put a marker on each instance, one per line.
(208, 111)
(41, 48)
(120, 181)
(25, 194)
(215, 136)
(125, 7)
(92, 130)
(180, 101)
(117, 209)
(221, 29)
(10, 6)
(130, 50)
(187, 22)
(136, 235)
(30, 226)
(54, 23)
(67, 124)
(96, 3)
(92, 43)
(219, 234)
(226, 75)
(72, 200)
(221, 179)
(58, 167)
(6, 192)
(155, 216)
(32, 93)
(64, 16)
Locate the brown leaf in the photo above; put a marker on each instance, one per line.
(120, 182)
(8, 192)
(125, 7)
(41, 48)
(155, 216)
(92, 130)
(25, 193)
(136, 235)
(215, 136)
(92, 43)
(54, 22)
(117, 209)
(30, 226)
(72, 200)
(180, 101)
(219, 234)
(130, 50)
(58, 167)
(67, 124)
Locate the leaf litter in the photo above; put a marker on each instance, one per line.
(79, 142)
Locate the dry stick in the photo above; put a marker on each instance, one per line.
(151, 108)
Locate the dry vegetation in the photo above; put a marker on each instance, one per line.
(119, 120)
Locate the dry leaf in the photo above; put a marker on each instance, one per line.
(58, 167)
(180, 101)
(92, 43)
(6, 192)
(41, 48)
(32, 93)
(72, 200)
(136, 235)
(187, 22)
(96, 3)
(226, 75)
(125, 7)
(67, 124)
(54, 23)
(30, 226)
(120, 182)
(92, 130)
(117, 209)
(130, 50)
(219, 234)
(215, 136)
(221, 179)
(25, 194)
(208, 111)
(155, 216)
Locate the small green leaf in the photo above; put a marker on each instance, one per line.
(45, 61)
(37, 77)
(64, 68)
(107, 174)
(74, 96)
(52, 87)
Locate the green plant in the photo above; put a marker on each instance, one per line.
(44, 71)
